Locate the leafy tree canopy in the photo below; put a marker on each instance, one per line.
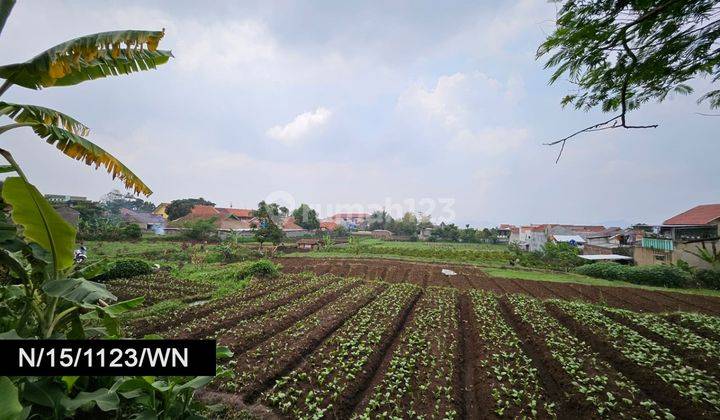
(306, 217)
(622, 54)
(179, 208)
(269, 215)
(381, 219)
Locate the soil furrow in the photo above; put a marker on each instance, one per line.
(698, 359)
(543, 362)
(645, 378)
(298, 350)
(265, 331)
(372, 372)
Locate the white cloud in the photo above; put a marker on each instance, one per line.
(471, 110)
(301, 126)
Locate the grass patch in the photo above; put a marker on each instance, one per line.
(332, 254)
(580, 279)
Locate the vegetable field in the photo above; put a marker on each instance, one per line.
(328, 346)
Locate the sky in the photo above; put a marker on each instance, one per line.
(439, 108)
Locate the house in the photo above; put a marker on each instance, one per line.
(69, 214)
(308, 244)
(534, 237)
(613, 241)
(381, 234)
(328, 225)
(574, 240)
(292, 229)
(504, 231)
(146, 221)
(225, 219)
(65, 199)
(681, 237)
(161, 210)
(351, 220)
(529, 238)
(425, 233)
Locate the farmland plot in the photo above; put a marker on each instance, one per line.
(309, 346)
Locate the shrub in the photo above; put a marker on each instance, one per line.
(658, 275)
(260, 268)
(651, 275)
(708, 278)
(123, 269)
(132, 231)
(603, 270)
(201, 229)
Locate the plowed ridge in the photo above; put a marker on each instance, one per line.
(469, 277)
(308, 346)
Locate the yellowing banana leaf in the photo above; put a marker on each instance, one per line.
(89, 57)
(34, 114)
(83, 149)
(40, 223)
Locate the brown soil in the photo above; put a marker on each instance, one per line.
(469, 277)
(330, 318)
(644, 377)
(698, 358)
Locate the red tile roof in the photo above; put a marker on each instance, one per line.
(289, 224)
(199, 210)
(506, 226)
(242, 213)
(328, 225)
(698, 215)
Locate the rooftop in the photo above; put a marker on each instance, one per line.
(698, 215)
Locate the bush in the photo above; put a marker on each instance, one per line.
(708, 278)
(260, 268)
(650, 275)
(123, 269)
(132, 231)
(603, 270)
(201, 229)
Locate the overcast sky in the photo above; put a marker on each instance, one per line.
(437, 104)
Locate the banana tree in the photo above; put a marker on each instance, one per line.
(44, 241)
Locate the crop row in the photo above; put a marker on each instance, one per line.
(591, 380)
(703, 351)
(334, 372)
(419, 379)
(707, 324)
(158, 287)
(253, 289)
(257, 367)
(694, 384)
(508, 372)
(248, 330)
(230, 314)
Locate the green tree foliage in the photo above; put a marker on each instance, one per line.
(408, 225)
(381, 219)
(622, 54)
(306, 217)
(445, 233)
(200, 229)
(267, 229)
(182, 207)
